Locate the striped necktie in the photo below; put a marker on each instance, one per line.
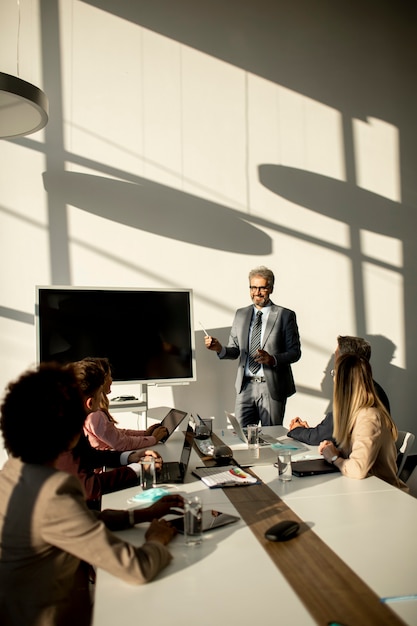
(255, 343)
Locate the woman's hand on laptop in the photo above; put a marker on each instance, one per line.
(149, 431)
(160, 432)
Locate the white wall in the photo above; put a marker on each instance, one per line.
(189, 142)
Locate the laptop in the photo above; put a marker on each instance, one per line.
(171, 421)
(313, 467)
(175, 471)
(264, 440)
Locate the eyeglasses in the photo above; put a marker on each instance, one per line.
(253, 288)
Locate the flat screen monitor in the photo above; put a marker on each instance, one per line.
(147, 334)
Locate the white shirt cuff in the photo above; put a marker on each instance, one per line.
(124, 457)
(136, 468)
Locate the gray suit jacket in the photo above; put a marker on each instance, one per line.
(281, 340)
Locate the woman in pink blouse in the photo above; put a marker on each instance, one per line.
(101, 428)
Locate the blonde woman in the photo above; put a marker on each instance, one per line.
(363, 428)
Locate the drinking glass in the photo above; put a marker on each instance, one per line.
(147, 472)
(284, 466)
(203, 429)
(253, 436)
(193, 521)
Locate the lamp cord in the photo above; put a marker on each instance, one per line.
(18, 38)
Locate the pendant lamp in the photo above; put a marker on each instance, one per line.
(24, 108)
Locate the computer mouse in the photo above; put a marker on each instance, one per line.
(282, 531)
(222, 452)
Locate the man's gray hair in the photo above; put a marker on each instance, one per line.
(265, 273)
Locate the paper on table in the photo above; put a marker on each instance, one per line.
(219, 477)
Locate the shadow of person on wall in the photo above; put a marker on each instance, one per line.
(327, 383)
(390, 377)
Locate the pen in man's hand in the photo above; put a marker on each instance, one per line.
(205, 332)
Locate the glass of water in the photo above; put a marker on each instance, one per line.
(193, 521)
(147, 472)
(253, 431)
(203, 429)
(284, 466)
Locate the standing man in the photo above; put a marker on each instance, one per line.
(265, 339)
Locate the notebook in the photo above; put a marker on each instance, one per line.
(313, 467)
(219, 477)
(171, 421)
(175, 471)
(264, 440)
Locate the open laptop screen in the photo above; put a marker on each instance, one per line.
(172, 420)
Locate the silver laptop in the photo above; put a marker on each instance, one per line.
(264, 440)
(175, 471)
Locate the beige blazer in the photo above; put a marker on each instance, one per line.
(46, 533)
(372, 450)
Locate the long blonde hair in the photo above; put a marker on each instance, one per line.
(354, 390)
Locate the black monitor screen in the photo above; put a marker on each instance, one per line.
(146, 334)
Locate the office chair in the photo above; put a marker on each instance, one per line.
(404, 444)
(411, 483)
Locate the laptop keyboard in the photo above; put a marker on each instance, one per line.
(165, 474)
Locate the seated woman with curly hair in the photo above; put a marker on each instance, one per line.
(48, 536)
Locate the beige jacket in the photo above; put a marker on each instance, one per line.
(372, 450)
(46, 533)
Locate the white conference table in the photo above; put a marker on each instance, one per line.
(370, 525)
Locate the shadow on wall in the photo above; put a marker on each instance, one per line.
(214, 390)
(363, 210)
(158, 209)
(392, 379)
(339, 200)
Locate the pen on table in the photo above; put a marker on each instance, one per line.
(412, 596)
(205, 332)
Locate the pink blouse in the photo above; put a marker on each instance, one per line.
(105, 435)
